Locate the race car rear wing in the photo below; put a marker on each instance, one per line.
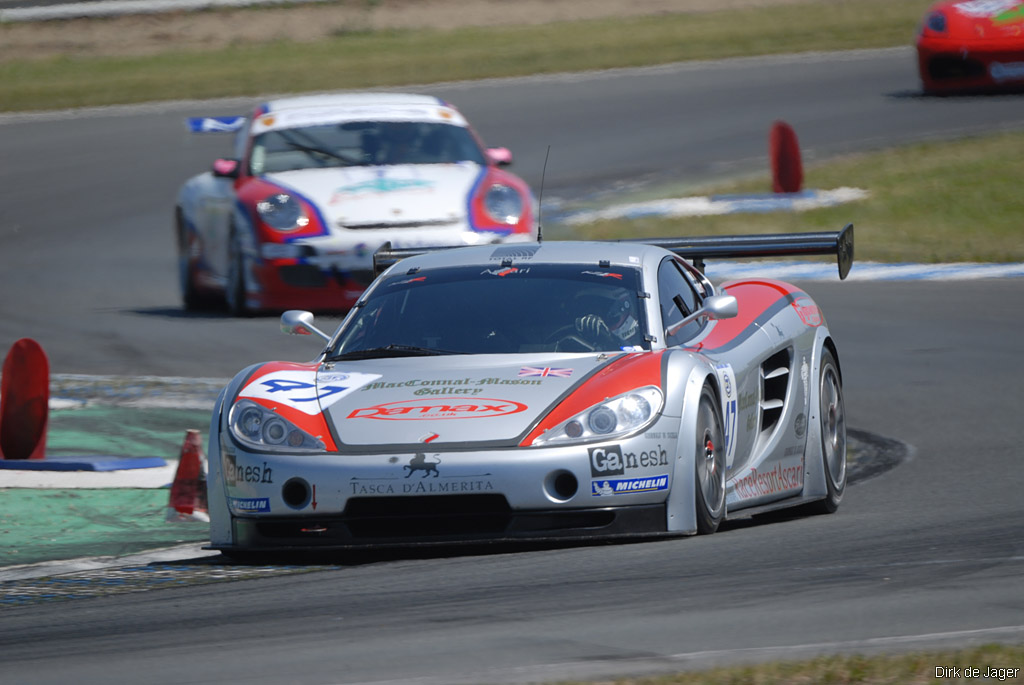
(700, 248)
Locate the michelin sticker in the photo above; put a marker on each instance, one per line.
(305, 391)
(730, 415)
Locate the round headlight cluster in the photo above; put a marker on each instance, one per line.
(936, 22)
(503, 204)
(618, 416)
(282, 212)
(256, 426)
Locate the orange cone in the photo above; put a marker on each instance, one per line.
(188, 491)
(787, 169)
(24, 401)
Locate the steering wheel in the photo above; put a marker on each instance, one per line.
(568, 334)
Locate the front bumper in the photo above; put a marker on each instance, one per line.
(440, 520)
(950, 67)
(283, 502)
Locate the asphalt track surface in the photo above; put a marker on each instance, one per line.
(926, 554)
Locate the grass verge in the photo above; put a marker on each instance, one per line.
(995, 664)
(396, 58)
(935, 202)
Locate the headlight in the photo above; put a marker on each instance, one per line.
(282, 212)
(262, 429)
(627, 413)
(503, 204)
(936, 21)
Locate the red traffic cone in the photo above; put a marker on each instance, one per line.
(787, 169)
(188, 491)
(24, 401)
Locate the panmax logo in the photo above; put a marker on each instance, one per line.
(440, 408)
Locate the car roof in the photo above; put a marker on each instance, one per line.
(341, 100)
(631, 254)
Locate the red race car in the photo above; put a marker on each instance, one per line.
(972, 45)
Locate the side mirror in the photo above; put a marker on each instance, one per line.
(226, 168)
(298, 322)
(721, 307)
(501, 156)
(714, 308)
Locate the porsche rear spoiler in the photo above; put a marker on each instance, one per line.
(698, 249)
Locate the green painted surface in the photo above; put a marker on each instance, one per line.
(48, 525)
(56, 524)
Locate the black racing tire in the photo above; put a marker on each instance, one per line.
(709, 463)
(832, 417)
(234, 290)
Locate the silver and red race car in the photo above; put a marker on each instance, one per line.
(317, 183)
(542, 390)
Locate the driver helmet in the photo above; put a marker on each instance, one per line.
(621, 316)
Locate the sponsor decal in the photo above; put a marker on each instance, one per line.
(646, 459)
(779, 479)
(603, 274)
(979, 9)
(808, 312)
(250, 505)
(300, 389)
(504, 272)
(431, 481)
(418, 279)
(234, 474)
(514, 252)
(452, 386)
(606, 461)
(628, 486)
(420, 463)
(1011, 16)
(662, 435)
(730, 409)
(805, 375)
(429, 437)
(800, 424)
(441, 408)
(544, 371)
(380, 186)
(1008, 71)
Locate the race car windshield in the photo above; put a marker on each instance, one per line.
(498, 310)
(363, 143)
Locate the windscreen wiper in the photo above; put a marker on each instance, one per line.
(392, 350)
(316, 149)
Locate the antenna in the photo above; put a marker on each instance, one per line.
(543, 173)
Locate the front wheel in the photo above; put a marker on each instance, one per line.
(832, 415)
(709, 464)
(191, 297)
(234, 294)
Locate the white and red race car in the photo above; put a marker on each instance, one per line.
(318, 183)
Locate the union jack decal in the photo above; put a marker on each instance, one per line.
(544, 371)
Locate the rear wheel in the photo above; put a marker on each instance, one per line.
(832, 415)
(709, 464)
